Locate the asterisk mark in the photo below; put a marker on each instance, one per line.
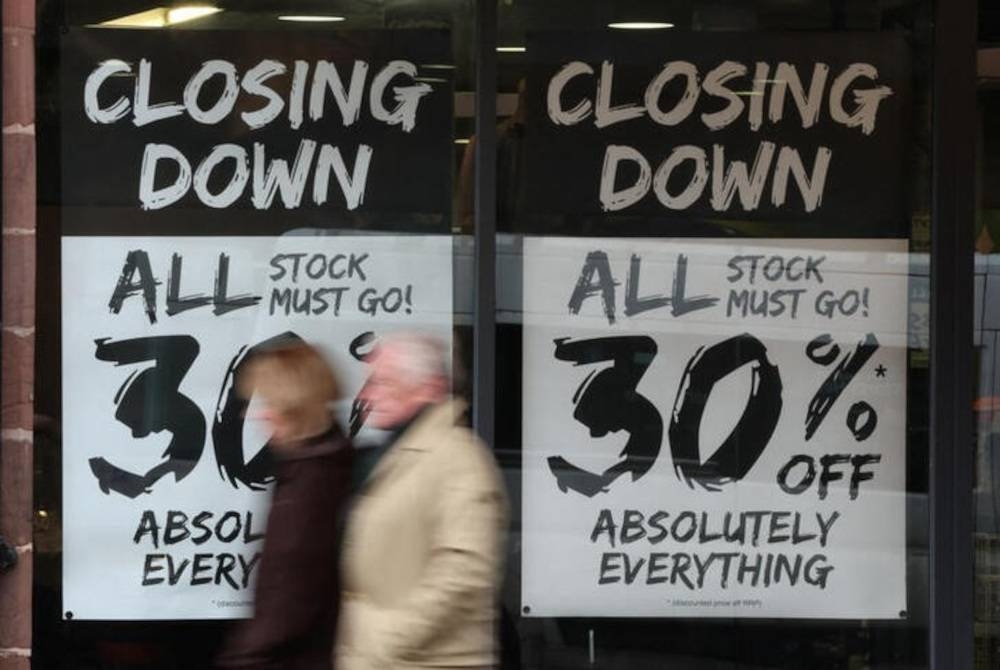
(880, 371)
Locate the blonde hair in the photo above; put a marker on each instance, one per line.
(294, 378)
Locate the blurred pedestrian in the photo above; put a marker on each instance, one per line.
(296, 599)
(423, 547)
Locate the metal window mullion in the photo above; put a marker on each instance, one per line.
(951, 427)
(484, 321)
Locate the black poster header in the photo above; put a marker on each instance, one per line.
(804, 129)
(301, 128)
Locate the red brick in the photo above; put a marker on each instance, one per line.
(17, 379)
(19, 14)
(19, 281)
(18, 78)
(19, 181)
(15, 663)
(15, 594)
(17, 413)
(16, 493)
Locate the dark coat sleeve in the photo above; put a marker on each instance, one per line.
(297, 589)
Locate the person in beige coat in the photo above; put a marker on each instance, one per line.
(423, 547)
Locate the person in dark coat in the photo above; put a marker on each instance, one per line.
(295, 605)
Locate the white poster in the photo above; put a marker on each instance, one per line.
(164, 488)
(714, 428)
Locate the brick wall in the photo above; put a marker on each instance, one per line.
(18, 327)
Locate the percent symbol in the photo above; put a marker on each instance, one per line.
(861, 417)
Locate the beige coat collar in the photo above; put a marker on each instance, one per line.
(423, 435)
(440, 417)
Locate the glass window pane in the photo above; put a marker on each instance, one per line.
(214, 178)
(712, 267)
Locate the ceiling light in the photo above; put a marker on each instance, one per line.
(431, 80)
(512, 50)
(161, 17)
(462, 140)
(437, 66)
(640, 25)
(153, 18)
(189, 13)
(311, 18)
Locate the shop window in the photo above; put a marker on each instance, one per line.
(712, 267)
